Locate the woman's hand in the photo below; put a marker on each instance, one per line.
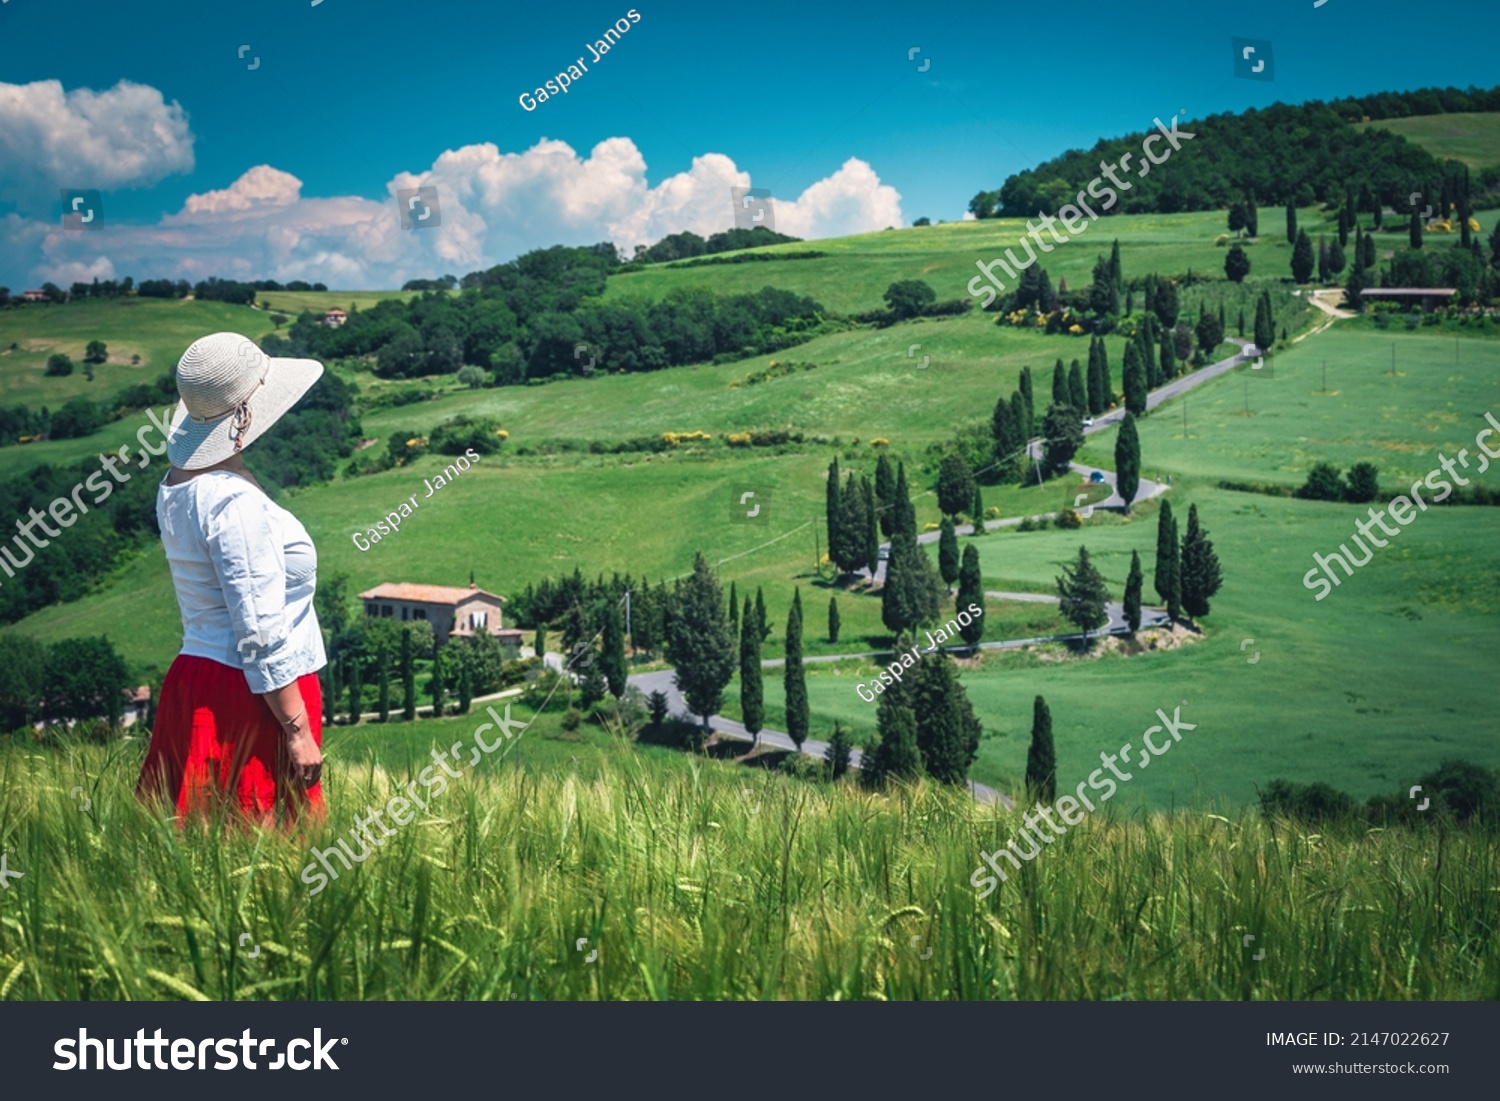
(306, 758)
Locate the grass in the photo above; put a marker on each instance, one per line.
(856, 271)
(158, 330)
(1471, 138)
(686, 892)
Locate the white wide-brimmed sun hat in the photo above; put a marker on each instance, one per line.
(231, 392)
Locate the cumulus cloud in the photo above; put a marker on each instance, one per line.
(492, 205)
(127, 136)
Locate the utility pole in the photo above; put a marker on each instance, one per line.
(627, 617)
(1325, 376)
(817, 551)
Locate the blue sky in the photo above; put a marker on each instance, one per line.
(349, 95)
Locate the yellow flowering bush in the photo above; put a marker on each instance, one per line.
(675, 438)
(880, 441)
(738, 439)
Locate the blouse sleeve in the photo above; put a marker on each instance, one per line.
(251, 565)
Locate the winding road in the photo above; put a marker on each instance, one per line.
(664, 680)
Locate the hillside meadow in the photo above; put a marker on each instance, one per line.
(692, 880)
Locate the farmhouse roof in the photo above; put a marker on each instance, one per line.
(449, 595)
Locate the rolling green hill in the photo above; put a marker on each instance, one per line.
(1471, 138)
(525, 514)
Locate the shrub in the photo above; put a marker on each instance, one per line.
(454, 437)
(1312, 804)
(59, 365)
(1069, 519)
(1324, 483)
(1363, 484)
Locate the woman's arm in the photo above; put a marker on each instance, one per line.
(287, 705)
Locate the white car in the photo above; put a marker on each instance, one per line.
(1088, 422)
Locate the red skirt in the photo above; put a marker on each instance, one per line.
(216, 743)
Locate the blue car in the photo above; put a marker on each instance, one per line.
(1097, 477)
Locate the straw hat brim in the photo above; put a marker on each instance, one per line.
(193, 445)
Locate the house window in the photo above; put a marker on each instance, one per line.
(477, 620)
(370, 609)
(405, 612)
(386, 611)
(419, 613)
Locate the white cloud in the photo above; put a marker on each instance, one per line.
(493, 206)
(126, 136)
(852, 200)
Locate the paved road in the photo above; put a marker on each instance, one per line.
(664, 681)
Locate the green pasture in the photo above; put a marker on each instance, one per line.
(1473, 138)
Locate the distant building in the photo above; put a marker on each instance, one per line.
(137, 704)
(335, 318)
(453, 612)
(1428, 298)
(35, 296)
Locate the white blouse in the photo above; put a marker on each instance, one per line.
(245, 571)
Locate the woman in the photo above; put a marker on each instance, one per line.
(240, 714)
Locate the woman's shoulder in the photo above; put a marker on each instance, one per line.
(214, 491)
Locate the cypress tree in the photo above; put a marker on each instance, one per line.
(761, 620)
(1414, 231)
(1008, 444)
(612, 650)
(885, 494)
(834, 513)
(752, 688)
(1337, 260)
(734, 610)
(385, 686)
(955, 486)
(1240, 327)
(1200, 568)
(794, 676)
(947, 729)
(971, 591)
(1127, 460)
(1133, 582)
(1059, 384)
(1166, 303)
(700, 645)
(853, 527)
(409, 677)
(465, 687)
(1135, 381)
(1028, 394)
(1291, 223)
(436, 684)
(1094, 384)
(833, 619)
(1366, 251)
(1302, 258)
(1166, 542)
(840, 749)
(1322, 259)
(1078, 396)
(538, 642)
(976, 510)
(872, 527)
(1264, 332)
(1083, 599)
(906, 512)
(1018, 417)
(948, 553)
(894, 755)
(1041, 757)
(1106, 379)
(1345, 220)
(1116, 278)
(1168, 358)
